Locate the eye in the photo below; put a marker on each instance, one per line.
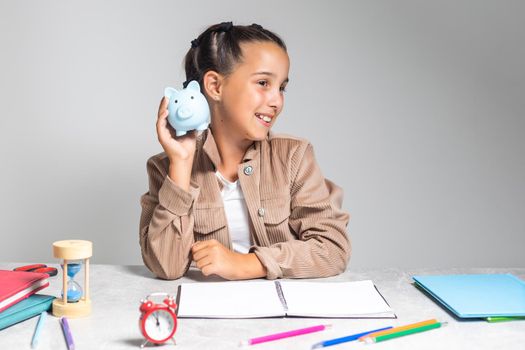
(192, 97)
(176, 101)
(282, 89)
(263, 82)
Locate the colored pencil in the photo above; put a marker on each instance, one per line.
(67, 333)
(282, 335)
(493, 319)
(400, 328)
(353, 337)
(404, 332)
(38, 329)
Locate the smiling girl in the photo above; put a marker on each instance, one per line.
(238, 201)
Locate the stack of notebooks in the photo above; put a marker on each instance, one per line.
(495, 297)
(18, 300)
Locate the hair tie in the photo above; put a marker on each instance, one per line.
(257, 26)
(195, 43)
(225, 27)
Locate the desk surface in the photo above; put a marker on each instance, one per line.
(117, 290)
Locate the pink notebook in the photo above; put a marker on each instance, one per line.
(18, 285)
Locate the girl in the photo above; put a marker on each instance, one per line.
(238, 201)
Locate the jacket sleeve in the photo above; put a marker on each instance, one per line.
(166, 223)
(323, 247)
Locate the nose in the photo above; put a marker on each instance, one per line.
(276, 99)
(184, 113)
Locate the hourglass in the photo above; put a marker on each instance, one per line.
(74, 301)
(74, 290)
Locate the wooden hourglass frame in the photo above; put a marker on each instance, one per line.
(68, 251)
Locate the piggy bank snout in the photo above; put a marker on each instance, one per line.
(184, 112)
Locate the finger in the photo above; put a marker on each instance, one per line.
(162, 122)
(162, 130)
(203, 263)
(196, 248)
(200, 254)
(201, 245)
(163, 115)
(163, 105)
(208, 270)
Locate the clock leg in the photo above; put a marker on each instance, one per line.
(174, 342)
(143, 344)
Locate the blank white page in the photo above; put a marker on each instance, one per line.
(335, 299)
(241, 299)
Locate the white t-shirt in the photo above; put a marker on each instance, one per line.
(236, 214)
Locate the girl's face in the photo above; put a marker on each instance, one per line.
(252, 95)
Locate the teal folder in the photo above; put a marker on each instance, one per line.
(27, 308)
(477, 295)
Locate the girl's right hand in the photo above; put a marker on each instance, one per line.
(176, 148)
(180, 150)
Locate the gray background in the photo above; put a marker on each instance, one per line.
(414, 107)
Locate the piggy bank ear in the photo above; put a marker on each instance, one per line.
(194, 85)
(169, 91)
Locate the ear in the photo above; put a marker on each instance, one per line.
(194, 85)
(212, 82)
(169, 91)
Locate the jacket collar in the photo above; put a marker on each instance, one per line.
(210, 149)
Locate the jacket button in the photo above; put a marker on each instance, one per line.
(260, 212)
(248, 170)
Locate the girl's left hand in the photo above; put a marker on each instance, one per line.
(214, 258)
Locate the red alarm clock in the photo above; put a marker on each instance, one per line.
(158, 322)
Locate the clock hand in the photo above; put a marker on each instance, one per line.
(156, 318)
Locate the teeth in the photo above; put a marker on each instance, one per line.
(263, 117)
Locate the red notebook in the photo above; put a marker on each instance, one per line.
(18, 285)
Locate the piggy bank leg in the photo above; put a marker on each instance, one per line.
(180, 132)
(203, 126)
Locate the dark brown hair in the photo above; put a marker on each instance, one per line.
(218, 48)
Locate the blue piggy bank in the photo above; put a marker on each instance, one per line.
(187, 108)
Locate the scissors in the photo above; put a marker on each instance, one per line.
(42, 268)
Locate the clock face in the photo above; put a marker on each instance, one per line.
(159, 325)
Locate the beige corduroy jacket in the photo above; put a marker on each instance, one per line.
(298, 229)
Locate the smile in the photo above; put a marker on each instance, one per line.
(265, 119)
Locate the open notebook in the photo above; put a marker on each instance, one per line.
(254, 299)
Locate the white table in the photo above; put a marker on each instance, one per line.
(116, 292)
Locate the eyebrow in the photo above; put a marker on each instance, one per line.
(270, 74)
